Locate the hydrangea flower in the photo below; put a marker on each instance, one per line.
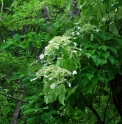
(75, 44)
(78, 28)
(78, 33)
(69, 84)
(41, 56)
(97, 30)
(73, 33)
(103, 19)
(52, 86)
(74, 72)
(50, 78)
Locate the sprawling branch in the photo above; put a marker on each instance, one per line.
(1, 6)
(106, 106)
(18, 99)
(96, 114)
(46, 14)
(75, 11)
(16, 112)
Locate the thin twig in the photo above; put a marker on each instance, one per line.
(106, 106)
(2, 7)
(96, 114)
(13, 98)
(112, 118)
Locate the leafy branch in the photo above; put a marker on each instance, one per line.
(11, 97)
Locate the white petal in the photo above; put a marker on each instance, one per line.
(76, 23)
(73, 33)
(52, 86)
(74, 72)
(69, 84)
(74, 51)
(57, 47)
(97, 30)
(41, 56)
(80, 49)
(103, 19)
(78, 28)
(50, 78)
(78, 33)
(46, 47)
(33, 79)
(75, 44)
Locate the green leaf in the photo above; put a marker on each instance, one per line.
(113, 28)
(15, 77)
(119, 41)
(50, 94)
(71, 91)
(88, 54)
(105, 36)
(16, 36)
(46, 116)
(105, 54)
(113, 49)
(92, 36)
(61, 93)
(84, 81)
(89, 76)
(91, 85)
(98, 62)
(111, 59)
(104, 48)
(103, 61)
(94, 58)
(31, 110)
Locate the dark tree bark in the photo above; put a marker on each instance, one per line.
(46, 14)
(75, 11)
(116, 88)
(16, 112)
(17, 109)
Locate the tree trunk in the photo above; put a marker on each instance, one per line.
(46, 14)
(16, 112)
(75, 11)
(116, 88)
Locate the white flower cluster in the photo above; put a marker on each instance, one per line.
(76, 31)
(54, 45)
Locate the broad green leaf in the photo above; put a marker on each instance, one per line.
(94, 58)
(16, 36)
(119, 41)
(92, 84)
(31, 110)
(89, 76)
(92, 36)
(61, 93)
(105, 54)
(88, 54)
(103, 61)
(105, 36)
(71, 91)
(104, 48)
(113, 49)
(113, 28)
(111, 59)
(98, 61)
(15, 77)
(46, 116)
(84, 81)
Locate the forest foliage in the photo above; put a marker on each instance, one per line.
(60, 62)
